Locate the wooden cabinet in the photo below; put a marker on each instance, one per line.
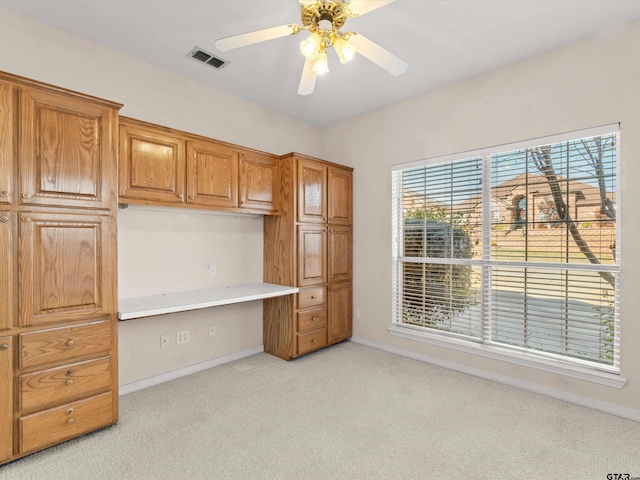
(212, 174)
(58, 257)
(152, 163)
(259, 180)
(163, 166)
(309, 246)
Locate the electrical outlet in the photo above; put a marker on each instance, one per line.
(182, 337)
(356, 313)
(164, 340)
(212, 330)
(212, 270)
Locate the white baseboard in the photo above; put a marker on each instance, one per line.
(613, 409)
(183, 372)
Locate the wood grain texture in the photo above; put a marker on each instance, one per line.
(6, 398)
(65, 383)
(278, 331)
(312, 191)
(312, 255)
(311, 341)
(340, 256)
(312, 319)
(7, 269)
(259, 182)
(340, 196)
(52, 426)
(66, 263)
(339, 326)
(212, 174)
(65, 344)
(66, 151)
(152, 163)
(311, 297)
(7, 139)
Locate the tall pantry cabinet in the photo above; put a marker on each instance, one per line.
(58, 200)
(309, 245)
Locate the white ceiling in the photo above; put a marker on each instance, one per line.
(443, 41)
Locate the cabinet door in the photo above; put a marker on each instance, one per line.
(312, 255)
(259, 182)
(67, 151)
(6, 398)
(340, 259)
(212, 174)
(6, 270)
(7, 135)
(152, 164)
(339, 303)
(340, 196)
(312, 191)
(66, 267)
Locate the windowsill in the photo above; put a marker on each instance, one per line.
(518, 358)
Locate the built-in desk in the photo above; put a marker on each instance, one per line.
(138, 307)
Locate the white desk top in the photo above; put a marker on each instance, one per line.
(148, 306)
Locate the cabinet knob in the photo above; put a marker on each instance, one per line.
(181, 197)
(191, 197)
(4, 194)
(69, 343)
(70, 421)
(4, 218)
(313, 319)
(313, 340)
(26, 219)
(69, 411)
(69, 382)
(4, 346)
(313, 297)
(26, 195)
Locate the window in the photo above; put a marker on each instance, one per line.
(534, 272)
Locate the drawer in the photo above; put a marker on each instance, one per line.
(308, 342)
(312, 319)
(58, 345)
(311, 297)
(67, 421)
(61, 384)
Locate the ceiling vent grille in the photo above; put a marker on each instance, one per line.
(207, 58)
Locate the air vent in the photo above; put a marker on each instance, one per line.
(207, 58)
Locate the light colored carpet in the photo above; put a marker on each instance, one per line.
(349, 411)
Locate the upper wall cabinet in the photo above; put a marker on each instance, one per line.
(312, 191)
(340, 202)
(152, 163)
(7, 154)
(65, 151)
(259, 181)
(212, 174)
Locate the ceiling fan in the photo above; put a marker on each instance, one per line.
(324, 19)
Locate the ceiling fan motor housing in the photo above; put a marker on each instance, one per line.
(333, 11)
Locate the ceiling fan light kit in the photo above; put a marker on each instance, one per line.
(324, 19)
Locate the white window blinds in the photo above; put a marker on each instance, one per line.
(514, 247)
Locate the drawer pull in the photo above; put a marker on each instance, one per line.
(69, 411)
(26, 195)
(69, 382)
(69, 372)
(4, 346)
(313, 340)
(69, 343)
(70, 421)
(4, 194)
(313, 319)
(313, 297)
(4, 218)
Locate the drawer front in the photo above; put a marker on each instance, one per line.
(62, 423)
(64, 344)
(311, 297)
(312, 319)
(308, 342)
(62, 384)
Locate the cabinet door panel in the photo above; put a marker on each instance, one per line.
(66, 154)
(339, 303)
(340, 196)
(152, 164)
(312, 191)
(212, 174)
(65, 265)
(312, 255)
(7, 135)
(6, 269)
(259, 182)
(6, 398)
(340, 254)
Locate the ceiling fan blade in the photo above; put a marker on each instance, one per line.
(360, 7)
(244, 39)
(308, 79)
(378, 55)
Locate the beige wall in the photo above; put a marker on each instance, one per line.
(586, 84)
(163, 251)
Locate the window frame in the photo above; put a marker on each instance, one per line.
(555, 363)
